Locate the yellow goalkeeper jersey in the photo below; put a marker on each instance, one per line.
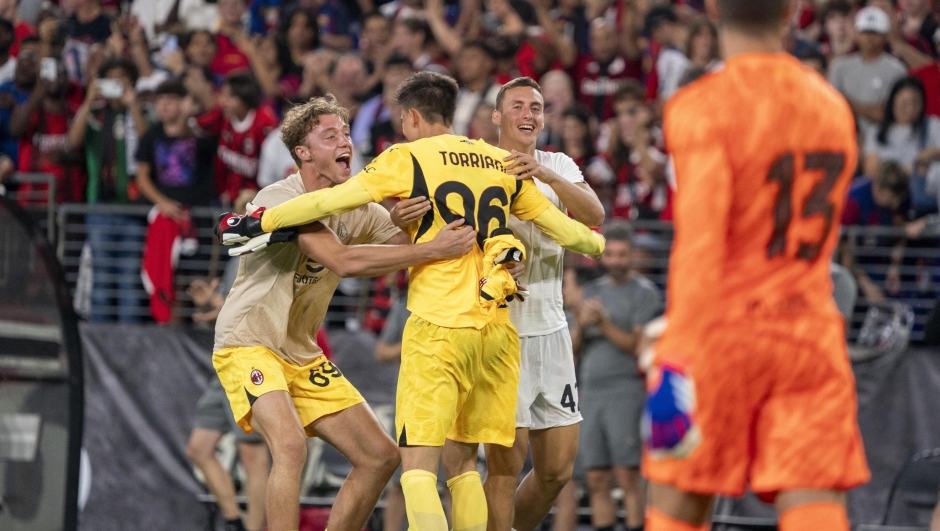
(463, 179)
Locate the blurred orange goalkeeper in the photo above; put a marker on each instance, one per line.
(751, 383)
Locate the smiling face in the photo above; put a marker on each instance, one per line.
(521, 118)
(329, 149)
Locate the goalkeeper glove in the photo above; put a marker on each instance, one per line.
(668, 418)
(235, 228)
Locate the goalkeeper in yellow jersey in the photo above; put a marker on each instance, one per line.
(460, 354)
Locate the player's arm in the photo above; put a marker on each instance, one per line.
(390, 174)
(320, 243)
(574, 193)
(531, 205)
(702, 214)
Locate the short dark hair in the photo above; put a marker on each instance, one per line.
(523, 81)
(398, 60)
(630, 90)
(658, 16)
(752, 15)
(814, 54)
(418, 25)
(187, 38)
(481, 45)
(836, 7)
(891, 176)
(120, 63)
(618, 231)
(171, 87)
(245, 87)
(584, 275)
(29, 39)
(433, 95)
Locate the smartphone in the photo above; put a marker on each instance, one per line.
(49, 69)
(111, 88)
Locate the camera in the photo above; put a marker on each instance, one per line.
(111, 88)
(49, 69)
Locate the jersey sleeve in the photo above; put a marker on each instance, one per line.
(315, 206)
(702, 212)
(391, 174)
(528, 202)
(568, 233)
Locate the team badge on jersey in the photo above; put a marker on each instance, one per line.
(256, 377)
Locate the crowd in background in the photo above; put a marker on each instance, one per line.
(176, 103)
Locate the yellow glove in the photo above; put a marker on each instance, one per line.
(497, 286)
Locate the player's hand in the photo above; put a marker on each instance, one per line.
(233, 228)
(201, 292)
(409, 211)
(454, 240)
(516, 269)
(524, 166)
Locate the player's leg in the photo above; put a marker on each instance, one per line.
(671, 509)
(394, 514)
(257, 464)
(359, 436)
(201, 450)
(566, 508)
(805, 510)
(469, 504)
(603, 507)
(553, 454)
(634, 497)
(554, 419)
(487, 416)
(503, 467)
(274, 417)
(436, 375)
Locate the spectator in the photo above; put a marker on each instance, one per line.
(16, 92)
(197, 48)
(108, 126)
(275, 71)
(815, 60)
(571, 14)
(866, 77)
(906, 135)
(701, 46)
(576, 142)
(924, 67)
(9, 10)
(598, 76)
(229, 57)
(411, 37)
(335, 23)
(378, 123)
(174, 167)
(558, 92)
(88, 23)
(474, 70)
(7, 61)
(881, 201)
(242, 124)
(482, 125)
(639, 189)
(918, 24)
(42, 125)
(347, 77)
(275, 162)
(662, 25)
(374, 49)
(299, 27)
(839, 32)
(609, 323)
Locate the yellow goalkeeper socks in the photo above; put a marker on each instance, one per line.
(469, 511)
(422, 502)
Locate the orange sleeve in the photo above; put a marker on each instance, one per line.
(702, 210)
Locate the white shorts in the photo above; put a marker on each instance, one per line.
(548, 388)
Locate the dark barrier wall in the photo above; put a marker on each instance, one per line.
(142, 384)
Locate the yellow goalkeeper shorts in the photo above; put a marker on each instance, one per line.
(457, 383)
(316, 389)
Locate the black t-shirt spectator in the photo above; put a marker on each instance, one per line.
(96, 30)
(180, 167)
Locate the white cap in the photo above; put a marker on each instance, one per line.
(872, 19)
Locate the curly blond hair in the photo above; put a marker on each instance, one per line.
(303, 117)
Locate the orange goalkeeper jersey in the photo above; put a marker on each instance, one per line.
(763, 151)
